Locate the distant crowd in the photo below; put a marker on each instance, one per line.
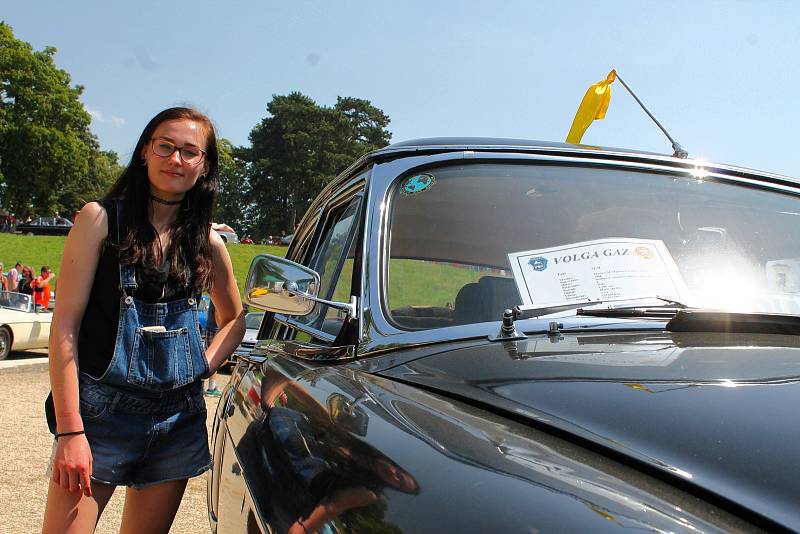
(20, 279)
(9, 223)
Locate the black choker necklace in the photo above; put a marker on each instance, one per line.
(165, 202)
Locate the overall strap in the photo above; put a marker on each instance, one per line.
(127, 273)
(110, 205)
(190, 291)
(188, 285)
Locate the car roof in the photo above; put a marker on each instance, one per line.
(433, 145)
(489, 142)
(438, 145)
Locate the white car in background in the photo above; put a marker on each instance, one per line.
(21, 326)
(227, 233)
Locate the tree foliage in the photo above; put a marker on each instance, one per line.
(300, 147)
(49, 160)
(233, 204)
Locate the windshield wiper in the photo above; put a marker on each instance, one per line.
(530, 312)
(509, 332)
(657, 312)
(680, 317)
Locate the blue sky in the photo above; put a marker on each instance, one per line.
(722, 77)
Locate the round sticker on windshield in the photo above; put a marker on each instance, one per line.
(417, 184)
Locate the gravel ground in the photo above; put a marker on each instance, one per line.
(25, 445)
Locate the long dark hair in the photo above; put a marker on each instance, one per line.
(189, 244)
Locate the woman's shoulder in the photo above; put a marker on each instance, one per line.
(219, 250)
(92, 221)
(215, 240)
(104, 204)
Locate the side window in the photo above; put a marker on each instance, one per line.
(341, 292)
(333, 260)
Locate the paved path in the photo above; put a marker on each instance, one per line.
(23, 358)
(25, 446)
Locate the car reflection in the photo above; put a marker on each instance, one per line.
(317, 474)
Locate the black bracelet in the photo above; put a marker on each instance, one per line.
(62, 434)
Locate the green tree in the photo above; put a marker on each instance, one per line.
(366, 124)
(233, 205)
(300, 147)
(46, 148)
(104, 169)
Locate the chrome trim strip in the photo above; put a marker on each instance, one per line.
(576, 151)
(305, 351)
(297, 325)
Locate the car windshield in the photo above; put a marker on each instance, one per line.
(15, 301)
(468, 241)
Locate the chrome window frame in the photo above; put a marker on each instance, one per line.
(380, 335)
(337, 198)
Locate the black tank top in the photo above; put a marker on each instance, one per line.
(98, 332)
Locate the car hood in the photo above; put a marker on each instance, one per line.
(719, 411)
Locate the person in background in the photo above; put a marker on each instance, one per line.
(25, 281)
(13, 277)
(3, 279)
(211, 329)
(41, 287)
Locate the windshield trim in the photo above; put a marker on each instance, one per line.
(389, 174)
(23, 297)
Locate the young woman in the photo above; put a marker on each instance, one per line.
(26, 278)
(126, 358)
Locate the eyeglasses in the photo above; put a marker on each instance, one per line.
(191, 155)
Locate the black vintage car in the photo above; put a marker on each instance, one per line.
(493, 335)
(45, 226)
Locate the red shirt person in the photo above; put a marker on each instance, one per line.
(41, 287)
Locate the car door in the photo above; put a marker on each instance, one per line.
(40, 333)
(332, 255)
(268, 408)
(31, 330)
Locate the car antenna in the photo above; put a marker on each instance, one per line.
(679, 151)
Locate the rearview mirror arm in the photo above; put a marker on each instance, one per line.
(350, 307)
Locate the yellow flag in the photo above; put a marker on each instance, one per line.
(593, 107)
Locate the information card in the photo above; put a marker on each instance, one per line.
(604, 269)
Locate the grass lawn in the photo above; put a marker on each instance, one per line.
(242, 255)
(426, 283)
(31, 250)
(47, 250)
(412, 282)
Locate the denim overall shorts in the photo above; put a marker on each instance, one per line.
(145, 417)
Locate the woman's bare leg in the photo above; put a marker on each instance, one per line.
(152, 509)
(71, 511)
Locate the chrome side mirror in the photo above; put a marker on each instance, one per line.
(282, 286)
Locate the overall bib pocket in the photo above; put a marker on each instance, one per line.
(160, 359)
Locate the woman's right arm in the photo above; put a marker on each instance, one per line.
(72, 465)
